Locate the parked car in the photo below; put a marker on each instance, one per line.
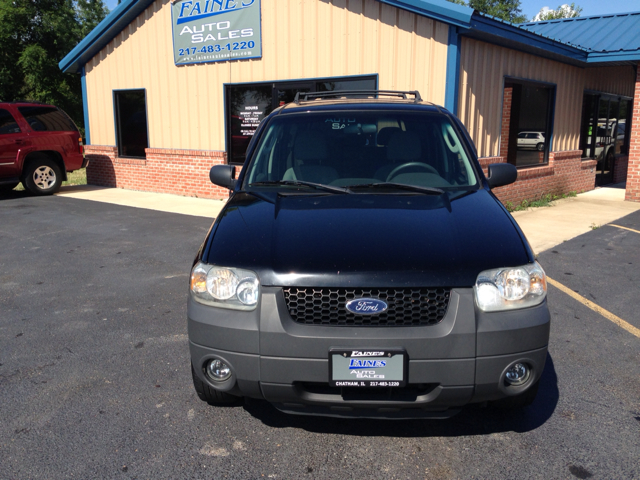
(39, 144)
(362, 267)
(610, 138)
(531, 140)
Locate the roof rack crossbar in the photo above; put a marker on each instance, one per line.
(307, 96)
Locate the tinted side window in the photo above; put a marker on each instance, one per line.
(47, 119)
(7, 123)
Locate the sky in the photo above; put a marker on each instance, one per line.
(589, 7)
(531, 7)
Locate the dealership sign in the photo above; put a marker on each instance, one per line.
(215, 30)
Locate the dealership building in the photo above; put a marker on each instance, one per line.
(172, 88)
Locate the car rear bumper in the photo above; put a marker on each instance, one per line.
(460, 360)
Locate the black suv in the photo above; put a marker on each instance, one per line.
(39, 144)
(363, 268)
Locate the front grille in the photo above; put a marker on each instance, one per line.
(408, 307)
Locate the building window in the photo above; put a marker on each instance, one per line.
(247, 105)
(528, 110)
(131, 122)
(603, 132)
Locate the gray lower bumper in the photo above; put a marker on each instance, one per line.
(459, 361)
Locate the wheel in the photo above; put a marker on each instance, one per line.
(519, 401)
(42, 176)
(421, 165)
(7, 187)
(540, 147)
(211, 395)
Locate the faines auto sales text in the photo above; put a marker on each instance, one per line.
(191, 11)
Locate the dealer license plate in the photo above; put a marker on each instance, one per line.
(367, 367)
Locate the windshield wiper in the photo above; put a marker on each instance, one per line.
(402, 186)
(300, 183)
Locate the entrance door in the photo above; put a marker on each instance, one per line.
(604, 141)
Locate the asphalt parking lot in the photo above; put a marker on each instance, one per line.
(95, 380)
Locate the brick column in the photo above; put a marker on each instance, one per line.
(633, 171)
(506, 121)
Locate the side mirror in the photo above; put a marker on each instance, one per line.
(223, 176)
(502, 174)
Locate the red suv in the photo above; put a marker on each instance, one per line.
(39, 144)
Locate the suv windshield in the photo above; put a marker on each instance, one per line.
(350, 149)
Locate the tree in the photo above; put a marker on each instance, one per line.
(563, 11)
(34, 36)
(508, 10)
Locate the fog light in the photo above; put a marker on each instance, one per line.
(217, 370)
(517, 374)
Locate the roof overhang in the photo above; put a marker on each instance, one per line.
(442, 10)
(620, 58)
(498, 32)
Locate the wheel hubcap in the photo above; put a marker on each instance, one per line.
(44, 177)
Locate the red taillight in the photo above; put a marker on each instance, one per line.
(80, 146)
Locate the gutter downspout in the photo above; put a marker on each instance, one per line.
(451, 95)
(85, 107)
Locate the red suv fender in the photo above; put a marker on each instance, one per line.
(52, 151)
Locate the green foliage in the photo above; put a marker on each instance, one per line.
(459, 2)
(544, 201)
(508, 10)
(34, 36)
(563, 11)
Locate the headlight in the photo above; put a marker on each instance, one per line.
(225, 287)
(511, 288)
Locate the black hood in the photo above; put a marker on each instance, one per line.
(366, 240)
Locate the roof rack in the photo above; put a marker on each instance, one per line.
(307, 96)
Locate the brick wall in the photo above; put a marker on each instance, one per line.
(566, 172)
(180, 172)
(620, 168)
(506, 121)
(186, 172)
(633, 169)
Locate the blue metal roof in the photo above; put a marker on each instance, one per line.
(614, 37)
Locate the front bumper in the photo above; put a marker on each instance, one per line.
(460, 360)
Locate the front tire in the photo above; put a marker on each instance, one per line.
(540, 147)
(42, 176)
(211, 395)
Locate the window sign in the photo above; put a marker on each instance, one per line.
(247, 105)
(215, 30)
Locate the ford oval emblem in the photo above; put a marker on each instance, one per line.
(366, 306)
